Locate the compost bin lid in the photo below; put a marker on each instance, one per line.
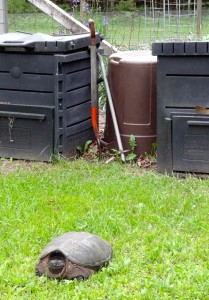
(43, 43)
(134, 57)
(180, 48)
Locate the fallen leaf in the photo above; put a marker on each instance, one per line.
(110, 159)
(201, 110)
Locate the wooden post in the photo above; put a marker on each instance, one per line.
(3, 17)
(199, 17)
(112, 5)
(82, 9)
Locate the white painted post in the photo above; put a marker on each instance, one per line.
(3, 17)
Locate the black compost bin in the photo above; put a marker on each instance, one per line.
(182, 106)
(45, 106)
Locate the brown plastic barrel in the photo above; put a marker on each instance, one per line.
(132, 80)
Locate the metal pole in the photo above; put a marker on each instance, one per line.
(164, 27)
(145, 12)
(179, 17)
(112, 110)
(153, 12)
(199, 17)
(188, 7)
(3, 17)
(169, 18)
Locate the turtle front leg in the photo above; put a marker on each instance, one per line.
(41, 268)
(74, 271)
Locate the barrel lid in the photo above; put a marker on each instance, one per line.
(135, 57)
(180, 48)
(43, 43)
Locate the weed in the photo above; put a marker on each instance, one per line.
(154, 149)
(116, 153)
(83, 150)
(131, 156)
(132, 142)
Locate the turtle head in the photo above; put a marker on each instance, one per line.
(56, 264)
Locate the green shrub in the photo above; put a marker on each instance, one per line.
(20, 7)
(23, 6)
(126, 5)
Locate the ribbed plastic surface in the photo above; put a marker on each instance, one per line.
(43, 43)
(180, 48)
(182, 104)
(42, 80)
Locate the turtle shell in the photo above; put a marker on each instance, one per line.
(82, 248)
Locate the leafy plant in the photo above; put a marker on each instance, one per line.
(83, 150)
(154, 149)
(132, 142)
(131, 156)
(86, 146)
(116, 153)
(153, 154)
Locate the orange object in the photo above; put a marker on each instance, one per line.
(94, 119)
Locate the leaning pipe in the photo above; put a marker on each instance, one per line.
(112, 110)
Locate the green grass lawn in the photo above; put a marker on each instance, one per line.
(157, 225)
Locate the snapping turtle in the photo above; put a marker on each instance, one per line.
(74, 255)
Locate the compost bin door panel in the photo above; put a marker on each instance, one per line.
(191, 143)
(26, 132)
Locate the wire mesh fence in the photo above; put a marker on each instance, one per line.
(126, 24)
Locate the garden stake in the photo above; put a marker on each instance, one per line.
(94, 94)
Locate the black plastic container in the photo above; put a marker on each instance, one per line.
(45, 101)
(182, 107)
